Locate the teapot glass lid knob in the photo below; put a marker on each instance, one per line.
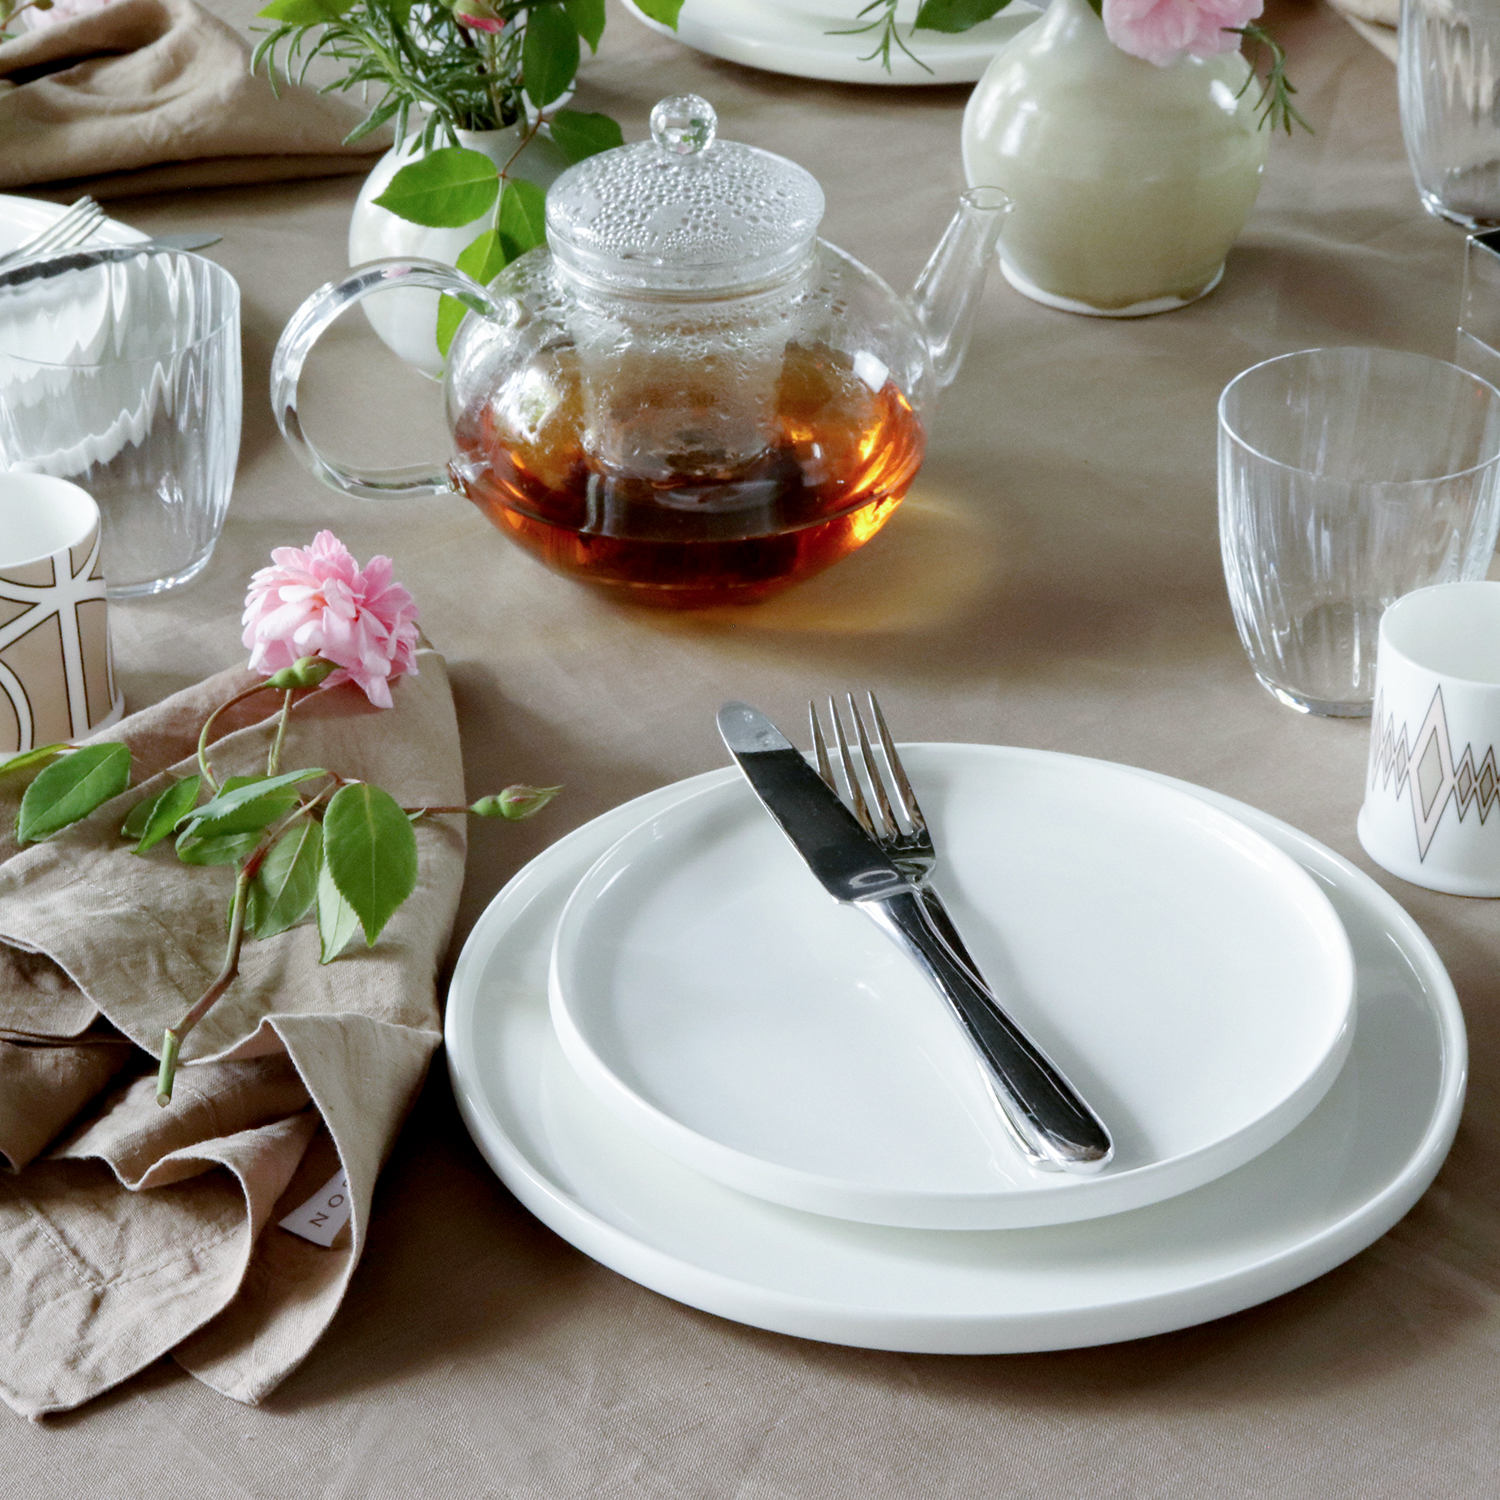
(685, 124)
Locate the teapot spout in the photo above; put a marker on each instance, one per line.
(948, 289)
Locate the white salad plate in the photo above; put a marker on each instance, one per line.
(1192, 981)
(802, 39)
(1324, 1192)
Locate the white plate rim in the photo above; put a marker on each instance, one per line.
(781, 38)
(1055, 1199)
(1197, 1300)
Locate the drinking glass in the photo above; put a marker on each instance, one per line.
(126, 379)
(1477, 347)
(1347, 478)
(1448, 74)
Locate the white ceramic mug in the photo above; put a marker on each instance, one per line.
(1432, 791)
(57, 676)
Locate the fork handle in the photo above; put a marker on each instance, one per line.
(1052, 1125)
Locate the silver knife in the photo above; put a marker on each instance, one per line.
(81, 260)
(1051, 1124)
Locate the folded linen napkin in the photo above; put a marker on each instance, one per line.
(155, 95)
(128, 1230)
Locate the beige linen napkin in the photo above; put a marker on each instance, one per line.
(155, 95)
(128, 1230)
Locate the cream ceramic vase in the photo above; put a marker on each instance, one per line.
(406, 319)
(1129, 181)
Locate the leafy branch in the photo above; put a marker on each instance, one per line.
(300, 840)
(1275, 100)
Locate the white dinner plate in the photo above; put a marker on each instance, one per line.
(1189, 978)
(800, 38)
(1323, 1193)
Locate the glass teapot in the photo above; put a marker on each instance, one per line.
(686, 395)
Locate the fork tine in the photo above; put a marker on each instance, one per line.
(904, 794)
(872, 769)
(856, 793)
(819, 748)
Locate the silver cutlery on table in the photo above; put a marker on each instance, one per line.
(75, 224)
(1052, 1125)
(81, 260)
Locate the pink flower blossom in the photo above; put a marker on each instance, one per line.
(32, 19)
(479, 23)
(319, 602)
(1162, 30)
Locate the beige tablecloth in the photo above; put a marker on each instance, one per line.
(1053, 581)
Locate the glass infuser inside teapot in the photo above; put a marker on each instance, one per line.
(686, 396)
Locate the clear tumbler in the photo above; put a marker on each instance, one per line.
(1449, 79)
(125, 378)
(1347, 478)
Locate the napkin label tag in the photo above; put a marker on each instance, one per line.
(324, 1214)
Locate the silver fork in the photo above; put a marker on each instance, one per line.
(911, 848)
(77, 222)
(912, 851)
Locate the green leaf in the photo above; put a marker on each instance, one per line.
(337, 920)
(484, 260)
(305, 12)
(549, 55)
(665, 11)
(579, 135)
(71, 788)
(445, 189)
(955, 15)
(160, 815)
(587, 17)
(240, 790)
(371, 853)
(286, 885)
(222, 851)
(37, 757)
(523, 218)
(248, 817)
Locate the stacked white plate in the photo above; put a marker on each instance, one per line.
(836, 40)
(679, 1053)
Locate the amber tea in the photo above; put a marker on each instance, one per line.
(686, 525)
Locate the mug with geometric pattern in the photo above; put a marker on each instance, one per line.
(1431, 812)
(57, 676)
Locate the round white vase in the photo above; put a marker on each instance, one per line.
(1130, 181)
(407, 319)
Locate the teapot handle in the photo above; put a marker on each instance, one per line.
(308, 324)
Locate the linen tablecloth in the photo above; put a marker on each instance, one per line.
(1054, 581)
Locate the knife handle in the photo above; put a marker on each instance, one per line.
(1051, 1124)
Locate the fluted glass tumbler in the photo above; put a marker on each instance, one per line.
(1448, 73)
(1347, 478)
(126, 379)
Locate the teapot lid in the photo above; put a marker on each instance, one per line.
(683, 212)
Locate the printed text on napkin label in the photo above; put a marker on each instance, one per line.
(324, 1214)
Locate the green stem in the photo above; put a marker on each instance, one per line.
(208, 775)
(175, 1035)
(273, 761)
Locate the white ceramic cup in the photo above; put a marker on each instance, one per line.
(1432, 791)
(57, 676)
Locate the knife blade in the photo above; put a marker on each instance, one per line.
(49, 266)
(1051, 1124)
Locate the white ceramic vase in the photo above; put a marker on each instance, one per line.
(1130, 181)
(407, 319)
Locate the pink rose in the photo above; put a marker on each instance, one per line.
(1162, 30)
(319, 602)
(33, 19)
